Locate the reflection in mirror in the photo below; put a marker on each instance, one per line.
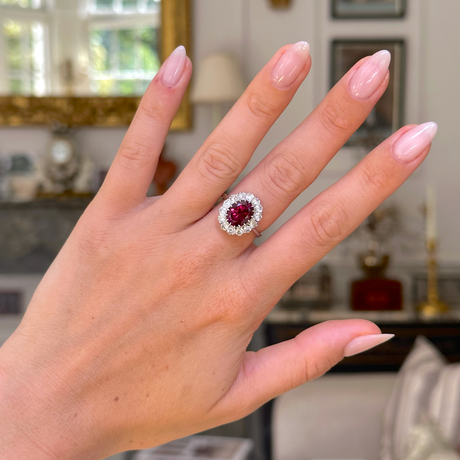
(78, 47)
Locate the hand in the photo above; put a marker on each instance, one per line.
(137, 333)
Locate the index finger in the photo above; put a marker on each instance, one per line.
(133, 168)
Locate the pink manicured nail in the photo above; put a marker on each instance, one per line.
(414, 142)
(291, 63)
(365, 342)
(370, 75)
(173, 68)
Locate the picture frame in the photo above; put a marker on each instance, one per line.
(388, 114)
(368, 9)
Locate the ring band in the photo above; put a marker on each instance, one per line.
(240, 214)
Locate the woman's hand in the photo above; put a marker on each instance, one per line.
(137, 334)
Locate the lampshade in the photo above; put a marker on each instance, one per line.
(218, 79)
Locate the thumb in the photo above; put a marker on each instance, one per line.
(279, 368)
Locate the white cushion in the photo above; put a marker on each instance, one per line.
(444, 405)
(426, 442)
(410, 397)
(335, 416)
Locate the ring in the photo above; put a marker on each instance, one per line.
(240, 214)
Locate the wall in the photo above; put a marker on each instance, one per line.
(253, 31)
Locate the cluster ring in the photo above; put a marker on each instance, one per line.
(240, 214)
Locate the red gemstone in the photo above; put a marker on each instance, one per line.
(240, 213)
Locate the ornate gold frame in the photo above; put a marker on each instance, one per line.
(104, 111)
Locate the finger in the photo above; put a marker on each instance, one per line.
(276, 369)
(296, 162)
(335, 213)
(133, 168)
(228, 149)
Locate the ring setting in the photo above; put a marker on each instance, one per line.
(240, 214)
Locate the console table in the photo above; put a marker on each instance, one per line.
(444, 331)
(33, 232)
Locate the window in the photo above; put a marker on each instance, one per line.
(124, 39)
(34, 4)
(23, 36)
(25, 57)
(78, 47)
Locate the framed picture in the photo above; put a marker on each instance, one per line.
(368, 9)
(388, 114)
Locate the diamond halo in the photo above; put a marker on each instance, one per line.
(240, 213)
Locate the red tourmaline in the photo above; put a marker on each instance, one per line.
(240, 213)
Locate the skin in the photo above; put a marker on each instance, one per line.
(137, 333)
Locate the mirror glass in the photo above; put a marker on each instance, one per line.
(78, 47)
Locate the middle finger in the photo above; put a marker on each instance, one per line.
(296, 161)
(230, 146)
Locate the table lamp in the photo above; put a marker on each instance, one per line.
(218, 81)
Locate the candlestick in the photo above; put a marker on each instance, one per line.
(430, 213)
(432, 306)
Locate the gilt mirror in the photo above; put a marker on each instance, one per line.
(85, 62)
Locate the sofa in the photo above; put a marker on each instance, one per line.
(338, 416)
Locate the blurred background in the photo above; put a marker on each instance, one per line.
(71, 74)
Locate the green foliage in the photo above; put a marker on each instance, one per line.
(118, 54)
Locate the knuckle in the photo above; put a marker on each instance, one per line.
(218, 161)
(93, 240)
(334, 119)
(286, 176)
(133, 153)
(153, 111)
(314, 365)
(317, 367)
(260, 106)
(373, 178)
(309, 369)
(326, 224)
(236, 301)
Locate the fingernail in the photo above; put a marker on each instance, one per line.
(173, 67)
(365, 342)
(414, 142)
(291, 63)
(370, 75)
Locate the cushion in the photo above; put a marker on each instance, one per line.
(444, 407)
(410, 398)
(426, 442)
